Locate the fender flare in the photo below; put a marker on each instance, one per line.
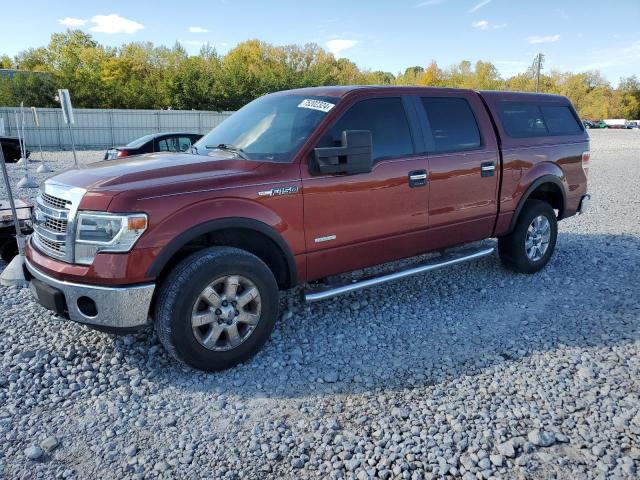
(544, 179)
(222, 224)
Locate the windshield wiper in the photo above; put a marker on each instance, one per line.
(230, 148)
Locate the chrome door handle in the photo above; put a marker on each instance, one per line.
(417, 178)
(487, 169)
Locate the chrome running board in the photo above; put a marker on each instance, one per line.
(328, 291)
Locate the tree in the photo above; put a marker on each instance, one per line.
(142, 75)
(6, 62)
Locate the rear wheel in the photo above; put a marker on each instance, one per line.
(217, 308)
(529, 247)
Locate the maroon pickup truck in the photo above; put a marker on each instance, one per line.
(296, 188)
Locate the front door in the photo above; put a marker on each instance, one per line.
(364, 219)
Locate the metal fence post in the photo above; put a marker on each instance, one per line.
(60, 146)
(113, 137)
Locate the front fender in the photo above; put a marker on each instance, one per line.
(279, 218)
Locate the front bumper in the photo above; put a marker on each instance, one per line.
(107, 307)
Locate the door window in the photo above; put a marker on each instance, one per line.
(169, 144)
(453, 124)
(184, 143)
(385, 118)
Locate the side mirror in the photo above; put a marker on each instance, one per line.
(353, 156)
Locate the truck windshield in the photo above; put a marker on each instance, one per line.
(271, 128)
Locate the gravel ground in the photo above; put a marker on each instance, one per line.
(472, 372)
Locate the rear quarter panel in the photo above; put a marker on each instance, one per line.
(524, 160)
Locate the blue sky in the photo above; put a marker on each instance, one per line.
(380, 35)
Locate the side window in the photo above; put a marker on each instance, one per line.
(385, 118)
(184, 143)
(453, 124)
(560, 120)
(169, 144)
(163, 146)
(522, 120)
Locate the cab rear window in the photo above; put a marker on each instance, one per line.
(522, 120)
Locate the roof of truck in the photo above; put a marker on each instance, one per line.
(341, 90)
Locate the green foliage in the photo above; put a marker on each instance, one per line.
(141, 75)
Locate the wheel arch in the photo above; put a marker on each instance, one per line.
(548, 188)
(245, 233)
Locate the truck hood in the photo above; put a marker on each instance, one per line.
(153, 170)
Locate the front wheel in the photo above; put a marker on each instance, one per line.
(529, 247)
(217, 308)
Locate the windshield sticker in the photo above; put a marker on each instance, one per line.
(316, 105)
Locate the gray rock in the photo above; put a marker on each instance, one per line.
(49, 443)
(541, 439)
(331, 376)
(297, 463)
(33, 452)
(507, 449)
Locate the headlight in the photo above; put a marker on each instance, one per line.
(106, 232)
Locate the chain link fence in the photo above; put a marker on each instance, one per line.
(103, 128)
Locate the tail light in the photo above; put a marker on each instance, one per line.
(124, 153)
(586, 156)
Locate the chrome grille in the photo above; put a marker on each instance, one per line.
(58, 247)
(55, 202)
(54, 215)
(56, 225)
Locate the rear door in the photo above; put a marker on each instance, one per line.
(364, 219)
(464, 169)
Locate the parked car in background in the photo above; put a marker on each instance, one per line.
(615, 122)
(298, 187)
(600, 124)
(589, 124)
(156, 142)
(11, 149)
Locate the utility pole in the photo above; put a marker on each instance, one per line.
(537, 66)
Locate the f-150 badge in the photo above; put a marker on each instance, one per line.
(276, 192)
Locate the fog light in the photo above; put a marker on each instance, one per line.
(87, 307)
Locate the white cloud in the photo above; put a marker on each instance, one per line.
(484, 25)
(478, 6)
(339, 44)
(544, 39)
(198, 30)
(114, 23)
(72, 21)
(429, 3)
(481, 24)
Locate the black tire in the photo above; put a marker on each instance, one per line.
(179, 292)
(511, 247)
(8, 249)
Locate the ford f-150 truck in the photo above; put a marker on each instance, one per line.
(296, 188)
